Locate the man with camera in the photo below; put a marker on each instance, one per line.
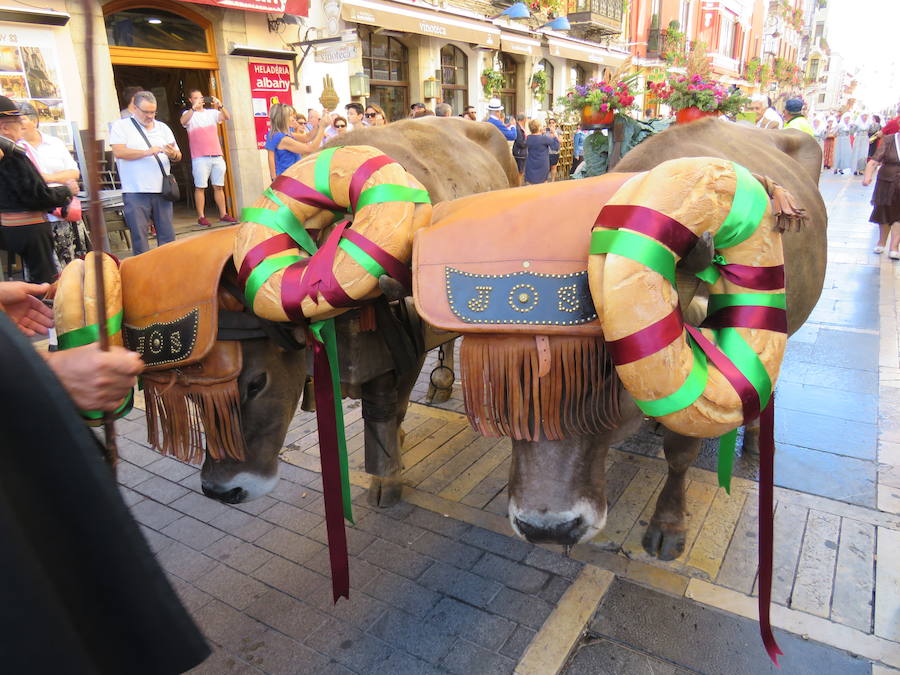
(144, 147)
(202, 122)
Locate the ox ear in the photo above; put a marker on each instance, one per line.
(299, 334)
(392, 289)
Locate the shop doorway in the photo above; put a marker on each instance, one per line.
(172, 87)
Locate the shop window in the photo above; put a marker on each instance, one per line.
(384, 60)
(578, 75)
(454, 78)
(149, 28)
(510, 70)
(547, 99)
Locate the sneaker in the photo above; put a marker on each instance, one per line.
(203, 221)
(878, 249)
(228, 219)
(894, 255)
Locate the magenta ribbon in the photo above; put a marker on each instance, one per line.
(757, 278)
(277, 244)
(362, 174)
(767, 526)
(319, 276)
(748, 316)
(394, 268)
(656, 225)
(304, 194)
(648, 340)
(331, 473)
(745, 390)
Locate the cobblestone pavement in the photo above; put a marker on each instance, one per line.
(439, 584)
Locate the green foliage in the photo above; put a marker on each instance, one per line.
(492, 81)
(539, 83)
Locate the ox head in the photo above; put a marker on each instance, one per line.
(270, 384)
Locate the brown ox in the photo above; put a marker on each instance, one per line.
(557, 488)
(452, 158)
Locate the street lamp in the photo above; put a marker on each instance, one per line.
(359, 85)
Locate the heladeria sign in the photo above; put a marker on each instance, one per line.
(269, 83)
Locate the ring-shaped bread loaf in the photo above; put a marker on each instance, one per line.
(702, 381)
(298, 255)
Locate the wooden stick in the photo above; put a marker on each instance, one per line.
(98, 226)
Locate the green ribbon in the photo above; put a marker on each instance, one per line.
(747, 209)
(727, 444)
(639, 248)
(687, 393)
(89, 334)
(263, 271)
(324, 333)
(719, 300)
(322, 172)
(386, 192)
(747, 361)
(363, 259)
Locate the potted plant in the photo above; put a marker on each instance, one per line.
(693, 97)
(539, 83)
(491, 81)
(598, 102)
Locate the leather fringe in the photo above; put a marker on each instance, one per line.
(184, 412)
(505, 396)
(789, 216)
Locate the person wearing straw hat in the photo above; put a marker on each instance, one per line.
(495, 117)
(25, 199)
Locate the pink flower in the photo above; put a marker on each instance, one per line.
(604, 107)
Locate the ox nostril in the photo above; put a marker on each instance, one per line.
(567, 532)
(232, 496)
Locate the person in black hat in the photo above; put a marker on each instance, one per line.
(793, 111)
(25, 199)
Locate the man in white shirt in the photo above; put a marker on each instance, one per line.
(202, 122)
(141, 165)
(355, 119)
(766, 116)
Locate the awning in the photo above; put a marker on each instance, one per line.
(580, 52)
(295, 7)
(421, 21)
(517, 44)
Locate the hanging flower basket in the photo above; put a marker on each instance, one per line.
(693, 113)
(591, 118)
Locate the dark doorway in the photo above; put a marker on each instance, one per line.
(172, 86)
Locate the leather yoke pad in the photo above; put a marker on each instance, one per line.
(512, 261)
(170, 301)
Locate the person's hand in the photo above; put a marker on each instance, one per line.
(217, 103)
(155, 150)
(325, 119)
(20, 301)
(96, 380)
(170, 150)
(866, 181)
(198, 106)
(73, 186)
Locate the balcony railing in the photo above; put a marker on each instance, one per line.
(605, 15)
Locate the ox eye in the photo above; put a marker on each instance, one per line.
(257, 384)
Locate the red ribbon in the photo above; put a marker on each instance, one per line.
(748, 316)
(757, 278)
(395, 269)
(767, 526)
(362, 174)
(331, 473)
(319, 276)
(277, 244)
(291, 296)
(745, 390)
(656, 225)
(648, 340)
(304, 194)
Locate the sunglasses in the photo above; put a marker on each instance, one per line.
(371, 114)
(340, 126)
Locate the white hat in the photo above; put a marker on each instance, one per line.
(495, 104)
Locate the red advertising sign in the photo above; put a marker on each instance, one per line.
(269, 83)
(295, 7)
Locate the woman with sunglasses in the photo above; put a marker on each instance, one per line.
(284, 149)
(340, 125)
(375, 115)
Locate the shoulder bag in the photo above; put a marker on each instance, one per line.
(169, 190)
